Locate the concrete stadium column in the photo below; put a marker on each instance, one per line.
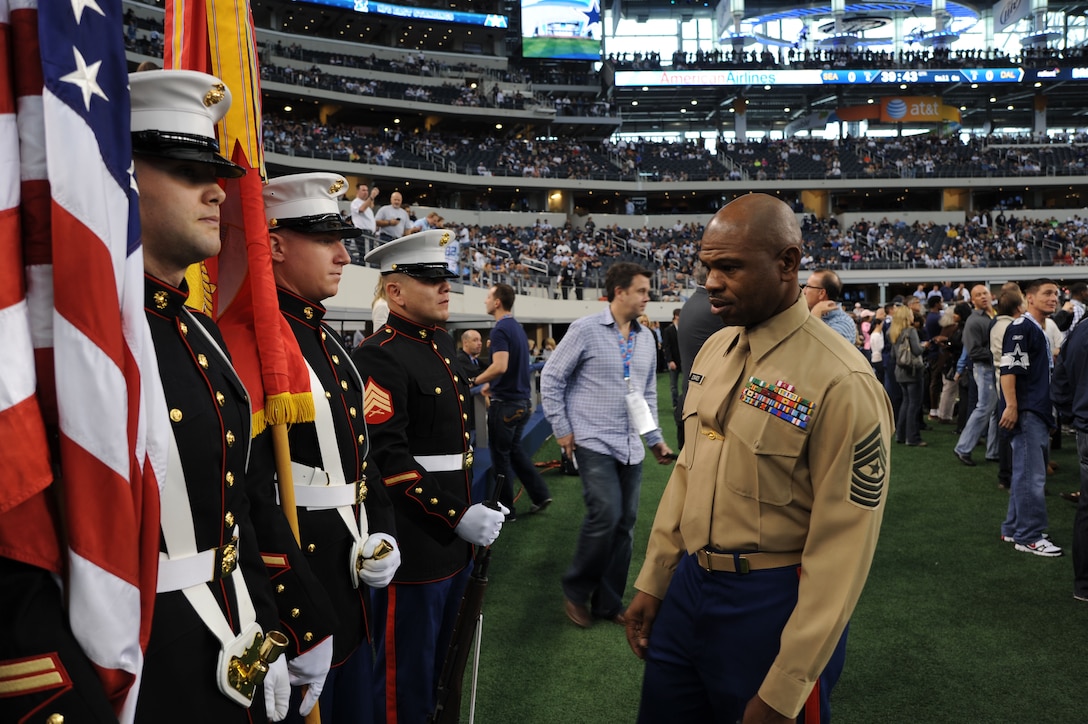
(1038, 16)
(740, 119)
(561, 201)
(987, 17)
(955, 200)
(940, 17)
(817, 203)
(1038, 127)
(897, 34)
(838, 10)
(736, 8)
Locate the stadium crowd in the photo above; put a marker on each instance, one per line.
(564, 261)
(759, 160)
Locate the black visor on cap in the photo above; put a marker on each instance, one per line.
(434, 270)
(185, 147)
(318, 224)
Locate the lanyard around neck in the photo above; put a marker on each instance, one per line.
(627, 349)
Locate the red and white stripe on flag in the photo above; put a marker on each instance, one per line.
(24, 455)
(111, 411)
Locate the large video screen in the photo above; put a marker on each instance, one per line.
(561, 29)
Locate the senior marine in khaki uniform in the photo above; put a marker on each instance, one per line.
(765, 533)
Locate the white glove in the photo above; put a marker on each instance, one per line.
(277, 690)
(378, 572)
(480, 525)
(309, 670)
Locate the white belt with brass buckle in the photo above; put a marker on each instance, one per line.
(176, 574)
(314, 489)
(444, 463)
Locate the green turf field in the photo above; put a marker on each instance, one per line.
(574, 48)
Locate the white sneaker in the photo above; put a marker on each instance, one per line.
(1041, 547)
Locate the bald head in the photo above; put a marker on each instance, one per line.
(752, 251)
(980, 297)
(764, 221)
(471, 342)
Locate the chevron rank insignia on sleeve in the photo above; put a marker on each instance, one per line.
(377, 403)
(869, 470)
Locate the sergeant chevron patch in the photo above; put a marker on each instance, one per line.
(377, 403)
(869, 470)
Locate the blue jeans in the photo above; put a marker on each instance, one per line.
(505, 422)
(598, 572)
(982, 417)
(906, 424)
(895, 392)
(1027, 517)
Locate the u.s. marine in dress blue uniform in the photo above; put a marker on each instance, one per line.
(345, 518)
(210, 422)
(218, 522)
(325, 539)
(415, 404)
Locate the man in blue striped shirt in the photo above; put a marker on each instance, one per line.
(599, 390)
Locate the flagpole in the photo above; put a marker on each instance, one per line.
(285, 479)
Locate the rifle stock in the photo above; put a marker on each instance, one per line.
(447, 709)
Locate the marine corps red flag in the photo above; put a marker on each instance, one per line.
(237, 288)
(77, 256)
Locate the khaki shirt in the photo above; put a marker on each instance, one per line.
(751, 480)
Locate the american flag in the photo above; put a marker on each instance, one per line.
(28, 530)
(85, 273)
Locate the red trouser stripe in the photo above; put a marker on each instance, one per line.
(391, 656)
(812, 705)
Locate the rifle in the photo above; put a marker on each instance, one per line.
(447, 708)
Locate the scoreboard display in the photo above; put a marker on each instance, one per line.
(868, 76)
